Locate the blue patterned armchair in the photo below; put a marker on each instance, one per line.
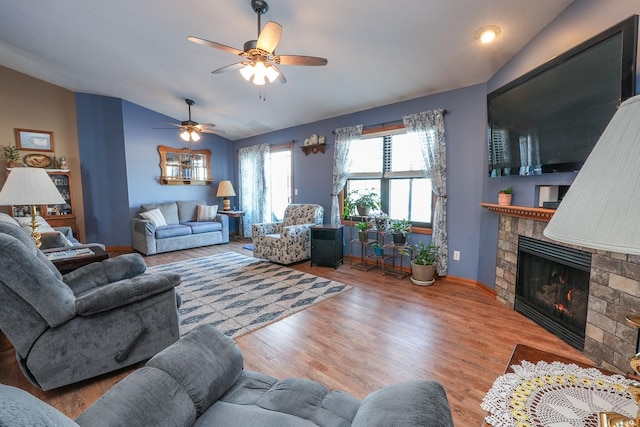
(288, 241)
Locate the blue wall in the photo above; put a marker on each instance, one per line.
(120, 164)
(465, 135)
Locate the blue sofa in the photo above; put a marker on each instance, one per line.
(182, 229)
(200, 381)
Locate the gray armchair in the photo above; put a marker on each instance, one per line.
(97, 319)
(288, 241)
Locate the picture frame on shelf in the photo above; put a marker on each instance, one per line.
(34, 140)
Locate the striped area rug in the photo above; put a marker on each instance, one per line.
(238, 294)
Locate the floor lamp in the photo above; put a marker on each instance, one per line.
(601, 208)
(30, 186)
(225, 190)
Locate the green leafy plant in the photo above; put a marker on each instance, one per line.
(422, 254)
(10, 153)
(400, 226)
(367, 198)
(362, 226)
(508, 190)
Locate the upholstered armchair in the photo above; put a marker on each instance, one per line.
(288, 241)
(97, 319)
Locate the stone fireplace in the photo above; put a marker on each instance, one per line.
(613, 291)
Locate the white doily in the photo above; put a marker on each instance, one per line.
(556, 395)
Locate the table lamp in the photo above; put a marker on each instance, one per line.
(225, 190)
(601, 209)
(30, 186)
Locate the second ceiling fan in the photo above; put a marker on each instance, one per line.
(260, 60)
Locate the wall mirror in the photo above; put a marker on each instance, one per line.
(183, 166)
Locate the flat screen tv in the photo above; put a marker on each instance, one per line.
(549, 119)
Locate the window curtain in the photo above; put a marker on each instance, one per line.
(254, 172)
(343, 139)
(428, 126)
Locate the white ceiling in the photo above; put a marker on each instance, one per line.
(379, 52)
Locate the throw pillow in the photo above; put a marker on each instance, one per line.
(25, 223)
(207, 213)
(155, 216)
(54, 240)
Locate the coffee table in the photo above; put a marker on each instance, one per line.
(68, 264)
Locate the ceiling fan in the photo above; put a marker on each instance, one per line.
(189, 130)
(260, 60)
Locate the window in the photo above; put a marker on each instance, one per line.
(392, 166)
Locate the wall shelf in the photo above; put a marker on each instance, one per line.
(540, 214)
(316, 148)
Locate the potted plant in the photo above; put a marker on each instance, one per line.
(11, 156)
(362, 228)
(423, 263)
(377, 249)
(379, 220)
(504, 196)
(364, 201)
(400, 228)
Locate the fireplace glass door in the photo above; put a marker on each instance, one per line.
(552, 288)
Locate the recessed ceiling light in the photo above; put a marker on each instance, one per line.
(488, 34)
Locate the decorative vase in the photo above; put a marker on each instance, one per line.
(504, 199)
(399, 239)
(363, 236)
(422, 275)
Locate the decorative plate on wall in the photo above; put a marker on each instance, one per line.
(37, 160)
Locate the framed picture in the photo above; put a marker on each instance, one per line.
(34, 140)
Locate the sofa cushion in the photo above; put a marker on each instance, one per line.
(205, 362)
(148, 397)
(174, 230)
(187, 209)
(203, 227)
(20, 409)
(207, 213)
(169, 211)
(155, 216)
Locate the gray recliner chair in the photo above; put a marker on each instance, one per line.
(97, 319)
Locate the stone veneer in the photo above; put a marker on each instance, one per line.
(614, 292)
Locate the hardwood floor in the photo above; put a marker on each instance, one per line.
(381, 332)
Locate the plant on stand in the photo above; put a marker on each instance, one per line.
(504, 196)
(377, 249)
(423, 263)
(379, 220)
(362, 228)
(364, 201)
(400, 228)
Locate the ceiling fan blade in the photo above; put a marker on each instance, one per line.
(231, 67)
(172, 124)
(269, 37)
(204, 126)
(214, 131)
(215, 45)
(299, 60)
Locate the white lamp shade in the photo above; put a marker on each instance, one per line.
(29, 186)
(225, 189)
(601, 210)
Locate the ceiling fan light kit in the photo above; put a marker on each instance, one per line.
(260, 61)
(190, 130)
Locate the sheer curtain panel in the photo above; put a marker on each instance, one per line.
(254, 171)
(343, 139)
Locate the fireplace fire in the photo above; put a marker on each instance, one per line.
(552, 288)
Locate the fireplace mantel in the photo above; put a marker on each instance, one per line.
(540, 214)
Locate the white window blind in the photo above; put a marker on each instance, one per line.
(366, 158)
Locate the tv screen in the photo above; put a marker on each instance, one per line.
(549, 119)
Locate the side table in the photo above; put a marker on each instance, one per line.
(68, 264)
(238, 215)
(326, 245)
